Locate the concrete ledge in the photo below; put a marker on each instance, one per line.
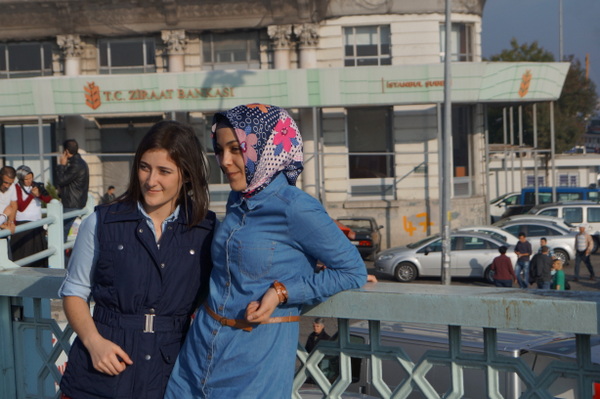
(502, 308)
(31, 282)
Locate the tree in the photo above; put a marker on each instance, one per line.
(576, 102)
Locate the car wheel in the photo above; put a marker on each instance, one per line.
(405, 272)
(595, 248)
(488, 275)
(562, 255)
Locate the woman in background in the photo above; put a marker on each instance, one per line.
(30, 196)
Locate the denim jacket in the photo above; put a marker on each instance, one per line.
(279, 234)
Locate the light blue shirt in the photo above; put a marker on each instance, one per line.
(278, 234)
(80, 271)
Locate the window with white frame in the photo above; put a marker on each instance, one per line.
(367, 45)
(231, 50)
(122, 56)
(568, 180)
(530, 181)
(461, 42)
(21, 60)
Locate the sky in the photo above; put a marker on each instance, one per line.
(538, 20)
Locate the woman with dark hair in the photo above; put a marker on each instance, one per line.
(30, 195)
(243, 341)
(145, 260)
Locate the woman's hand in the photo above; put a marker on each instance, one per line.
(257, 312)
(371, 278)
(108, 357)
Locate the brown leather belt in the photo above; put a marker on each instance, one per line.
(245, 325)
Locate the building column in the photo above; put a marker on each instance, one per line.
(72, 51)
(308, 38)
(281, 39)
(176, 42)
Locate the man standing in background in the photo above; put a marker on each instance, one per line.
(8, 198)
(72, 180)
(584, 243)
(523, 250)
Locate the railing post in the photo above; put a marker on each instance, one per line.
(56, 233)
(5, 262)
(7, 357)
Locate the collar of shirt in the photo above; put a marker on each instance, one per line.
(250, 203)
(172, 217)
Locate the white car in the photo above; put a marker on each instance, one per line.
(498, 205)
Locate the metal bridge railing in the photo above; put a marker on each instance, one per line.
(32, 342)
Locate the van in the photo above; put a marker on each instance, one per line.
(591, 193)
(574, 212)
(527, 198)
(537, 350)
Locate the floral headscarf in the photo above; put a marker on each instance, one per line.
(270, 143)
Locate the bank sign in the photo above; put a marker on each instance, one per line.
(299, 88)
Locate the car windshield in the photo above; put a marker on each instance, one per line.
(356, 224)
(423, 241)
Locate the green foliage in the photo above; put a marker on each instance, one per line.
(576, 103)
(52, 191)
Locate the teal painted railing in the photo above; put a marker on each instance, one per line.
(458, 307)
(33, 344)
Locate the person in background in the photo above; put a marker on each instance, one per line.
(317, 335)
(544, 243)
(109, 195)
(30, 195)
(145, 259)
(504, 274)
(558, 276)
(72, 180)
(523, 250)
(584, 243)
(243, 341)
(540, 269)
(8, 198)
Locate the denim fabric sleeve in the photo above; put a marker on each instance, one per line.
(78, 281)
(320, 238)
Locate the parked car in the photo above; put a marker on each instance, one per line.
(575, 213)
(471, 255)
(498, 205)
(367, 236)
(560, 237)
(493, 231)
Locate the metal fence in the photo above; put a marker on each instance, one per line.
(33, 344)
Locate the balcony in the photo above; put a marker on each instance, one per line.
(33, 344)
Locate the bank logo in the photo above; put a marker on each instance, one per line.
(92, 95)
(525, 82)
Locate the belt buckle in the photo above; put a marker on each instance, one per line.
(223, 321)
(149, 323)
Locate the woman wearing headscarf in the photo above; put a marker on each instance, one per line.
(30, 196)
(243, 341)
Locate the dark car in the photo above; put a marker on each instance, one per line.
(367, 236)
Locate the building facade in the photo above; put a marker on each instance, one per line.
(368, 151)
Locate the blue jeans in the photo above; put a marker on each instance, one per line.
(544, 285)
(522, 266)
(503, 283)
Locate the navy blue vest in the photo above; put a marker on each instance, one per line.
(144, 296)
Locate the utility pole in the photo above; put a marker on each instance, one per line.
(446, 192)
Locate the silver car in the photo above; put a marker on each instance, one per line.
(560, 240)
(471, 255)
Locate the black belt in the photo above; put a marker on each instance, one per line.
(148, 323)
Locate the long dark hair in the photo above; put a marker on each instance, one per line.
(185, 150)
